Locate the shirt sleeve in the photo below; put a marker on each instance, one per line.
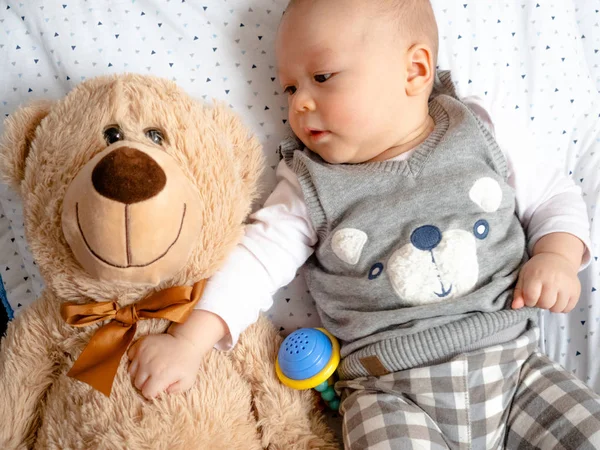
(277, 241)
(547, 200)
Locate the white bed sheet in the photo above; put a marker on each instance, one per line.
(536, 61)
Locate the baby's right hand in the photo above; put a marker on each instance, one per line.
(164, 362)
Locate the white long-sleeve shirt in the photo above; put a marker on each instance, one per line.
(281, 237)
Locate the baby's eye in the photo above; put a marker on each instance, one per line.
(290, 90)
(322, 78)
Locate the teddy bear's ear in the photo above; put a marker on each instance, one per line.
(19, 131)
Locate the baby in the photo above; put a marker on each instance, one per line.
(417, 225)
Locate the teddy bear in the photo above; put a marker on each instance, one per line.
(133, 196)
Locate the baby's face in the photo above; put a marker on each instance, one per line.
(344, 73)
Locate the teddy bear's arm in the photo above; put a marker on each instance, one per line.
(28, 365)
(287, 419)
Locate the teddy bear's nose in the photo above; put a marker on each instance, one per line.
(128, 175)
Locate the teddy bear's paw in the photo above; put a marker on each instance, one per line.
(298, 434)
(310, 442)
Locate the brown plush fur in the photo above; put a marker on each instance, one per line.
(237, 401)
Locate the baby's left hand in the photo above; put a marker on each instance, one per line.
(548, 281)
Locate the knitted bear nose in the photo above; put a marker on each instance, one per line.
(128, 175)
(426, 237)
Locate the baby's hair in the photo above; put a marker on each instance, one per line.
(415, 20)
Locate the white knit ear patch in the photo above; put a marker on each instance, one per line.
(487, 194)
(348, 244)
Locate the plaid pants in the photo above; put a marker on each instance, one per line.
(505, 396)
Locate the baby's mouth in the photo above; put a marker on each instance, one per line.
(317, 134)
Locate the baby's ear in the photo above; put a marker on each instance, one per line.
(19, 132)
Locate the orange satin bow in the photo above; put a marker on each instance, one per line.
(98, 363)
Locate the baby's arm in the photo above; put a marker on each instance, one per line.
(276, 243)
(553, 214)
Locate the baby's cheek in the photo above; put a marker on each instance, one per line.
(353, 116)
(293, 121)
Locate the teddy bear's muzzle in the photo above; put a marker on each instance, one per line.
(131, 214)
(134, 241)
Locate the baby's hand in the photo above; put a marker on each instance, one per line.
(164, 362)
(548, 281)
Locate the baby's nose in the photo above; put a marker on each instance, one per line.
(128, 175)
(303, 102)
(426, 237)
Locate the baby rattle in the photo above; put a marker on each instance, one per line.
(307, 359)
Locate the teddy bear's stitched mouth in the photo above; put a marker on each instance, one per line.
(128, 242)
(445, 292)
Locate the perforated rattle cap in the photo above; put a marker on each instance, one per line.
(304, 353)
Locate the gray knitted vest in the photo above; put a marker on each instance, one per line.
(416, 259)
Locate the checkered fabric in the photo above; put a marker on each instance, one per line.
(504, 396)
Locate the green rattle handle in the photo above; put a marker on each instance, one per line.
(328, 393)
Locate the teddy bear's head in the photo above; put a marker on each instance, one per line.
(434, 265)
(128, 184)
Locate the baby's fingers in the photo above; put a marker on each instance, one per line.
(574, 297)
(532, 289)
(518, 301)
(175, 387)
(141, 378)
(133, 350)
(548, 297)
(562, 300)
(181, 385)
(154, 386)
(133, 368)
(571, 304)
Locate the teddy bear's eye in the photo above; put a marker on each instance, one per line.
(113, 134)
(155, 136)
(375, 271)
